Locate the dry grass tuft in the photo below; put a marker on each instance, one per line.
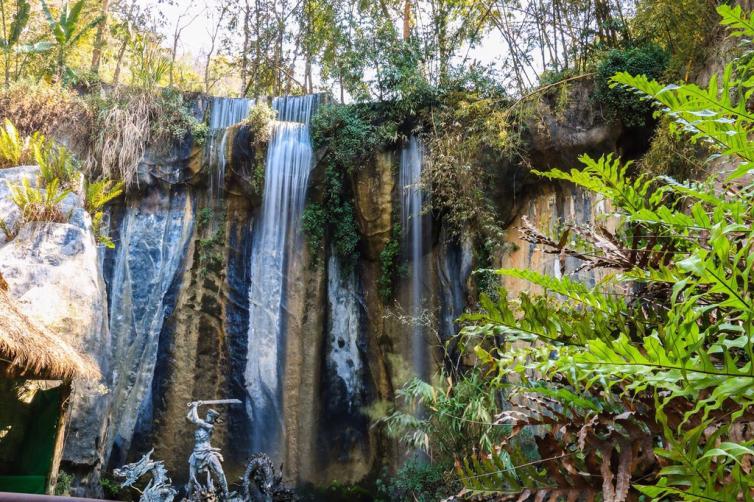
(52, 110)
(122, 134)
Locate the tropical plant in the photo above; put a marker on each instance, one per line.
(151, 64)
(39, 204)
(96, 195)
(11, 145)
(67, 30)
(446, 419)
(11, 36)
(645, 380)
(55, 162)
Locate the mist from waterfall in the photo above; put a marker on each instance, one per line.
(275, 236)
(412, 200)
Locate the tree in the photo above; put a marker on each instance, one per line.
(67, 30)
(12, 34)
(213, 30)
(100, 38)
(183, 21)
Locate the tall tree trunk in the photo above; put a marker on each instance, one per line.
(406, 19)
(119, 61)
(172, 59)
(442, 41)
(6, 49)
(99, 39)
(245, 50)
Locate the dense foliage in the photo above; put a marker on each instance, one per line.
(59, 176)
(649, 60)
(641, 383)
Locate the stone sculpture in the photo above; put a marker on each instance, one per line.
(158, 489)
(205, 459)
(261, 482)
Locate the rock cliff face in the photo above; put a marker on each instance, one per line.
(53, 270)
(167, 312)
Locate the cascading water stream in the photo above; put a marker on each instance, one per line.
(224, 112)
(277, 233)
(412, 200)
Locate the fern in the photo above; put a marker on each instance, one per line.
(39, 204)
(96, 196)
(650, 374)
(11, 145)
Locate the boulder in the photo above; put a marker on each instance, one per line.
(52, 269)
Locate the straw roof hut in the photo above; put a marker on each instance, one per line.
(32, 446)
(30, 350)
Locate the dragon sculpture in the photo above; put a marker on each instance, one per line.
(158, 489)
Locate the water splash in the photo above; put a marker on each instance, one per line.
(412, 200)
(289, 161)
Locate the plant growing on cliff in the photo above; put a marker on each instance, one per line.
(390, 266)
(642, 383)
(313, 223)
(260, 120)
(97, 194)
(55, 163)
(128, 120)
(649, 60)
(39, 204)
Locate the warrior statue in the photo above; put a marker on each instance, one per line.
(205, 458)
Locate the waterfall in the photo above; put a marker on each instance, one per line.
(344, 329)
(224, 112)
(152, 241)
(289, 161)
(413, 231)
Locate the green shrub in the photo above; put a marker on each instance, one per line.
(313, 223)
(418, 481)
(649, 60)
(349, 134)
(63, 484)
(389, 264)
(172, 120)
(210, 246)
(260, 119)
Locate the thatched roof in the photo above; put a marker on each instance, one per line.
(30, 350)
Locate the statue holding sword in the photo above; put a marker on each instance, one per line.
(205, 458)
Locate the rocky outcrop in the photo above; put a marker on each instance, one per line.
(53, 270)
(562, 129)
(172, 324)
